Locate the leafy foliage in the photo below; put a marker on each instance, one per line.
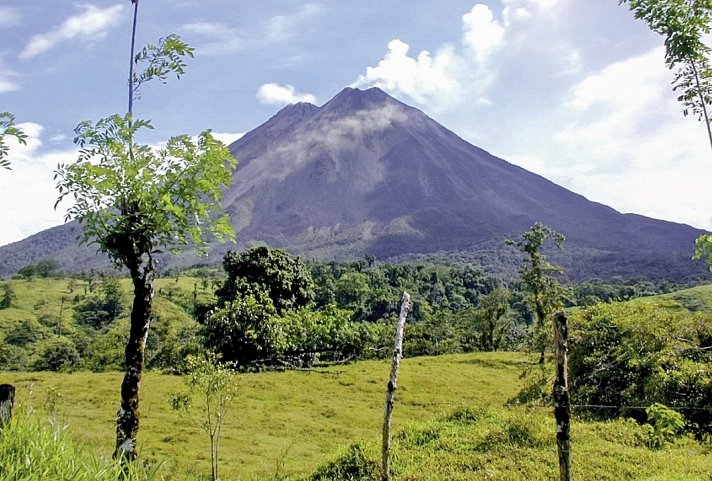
(101, 309)
(543, 292)
(133, 199)
(684, 24)
(215, 386)
(664, 425)
(161, 60)
(242, 331)
(284, 279)
(8, 129)
(623, 356)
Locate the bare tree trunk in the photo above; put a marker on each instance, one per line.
(127, 420)
(7, 400)
(562, 406)
(392, 386)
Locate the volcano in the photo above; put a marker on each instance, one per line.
(368, 174)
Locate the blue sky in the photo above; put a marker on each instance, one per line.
(575, 90)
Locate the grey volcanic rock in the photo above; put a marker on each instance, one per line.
(366, 173)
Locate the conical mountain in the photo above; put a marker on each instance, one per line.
(365, 173)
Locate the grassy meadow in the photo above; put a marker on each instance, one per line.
(451, 419)
(450, 422)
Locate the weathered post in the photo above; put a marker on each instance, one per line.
(392, 385)
(562, 406)
(7, 399)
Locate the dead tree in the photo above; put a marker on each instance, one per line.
(392, 386)
(562, 406)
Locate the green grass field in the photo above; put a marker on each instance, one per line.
(290, 423)
(300, 420)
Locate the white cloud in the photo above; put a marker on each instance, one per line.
(284, 27)
(426, 79)
(27, 192)
(91, 24)
(624, 142)
(227, 137)
(9, 16)
(6, 75)
(7, 85)
(517, 10)
(275, 94)
(222, 39)
(483, 35)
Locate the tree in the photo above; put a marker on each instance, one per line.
(285, 279)
(135, 200)
(46, 267)
(101, 309)
(215, 385)
(8, 296)
(491, 318)
(684, 24)
(9, 129)
(544, 294)
(242, 330)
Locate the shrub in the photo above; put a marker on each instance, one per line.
(664, 425)
(58, 354)
(635, 354)
(353, 464)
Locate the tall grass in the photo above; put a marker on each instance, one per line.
(36, 449)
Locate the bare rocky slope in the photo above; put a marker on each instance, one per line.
(366, 173)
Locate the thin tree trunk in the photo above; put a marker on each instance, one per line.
(127, 421)
(7, 400)
(392, 386)
(562, 406)
(703, 103)
(131, 64)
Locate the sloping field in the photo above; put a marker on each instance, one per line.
(450, 423)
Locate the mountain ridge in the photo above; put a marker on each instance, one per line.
(366, 173)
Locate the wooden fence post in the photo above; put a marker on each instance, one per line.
(562, 406)
(7, 399)
(392, 385)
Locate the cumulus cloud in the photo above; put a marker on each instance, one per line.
(452, 75)
(427, 79)
(27, 191)
(483, 34)
(91, 24)
(275, 94)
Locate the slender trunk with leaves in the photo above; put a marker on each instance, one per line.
(134, 200)
(684, 24)
(127, 421)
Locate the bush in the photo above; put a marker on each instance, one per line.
(629, 355)
(353, 464)
(664, 425)
(58, 354)
(242, 331)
